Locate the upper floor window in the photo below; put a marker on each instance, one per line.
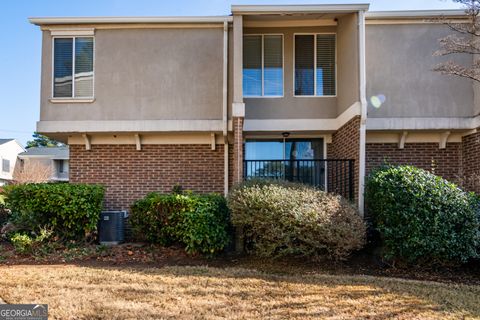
(73, 67)
(315, 65)
(263, 65)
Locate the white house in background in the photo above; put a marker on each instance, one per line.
(55, 158)
(9, 150)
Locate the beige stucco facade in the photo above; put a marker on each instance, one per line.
(399, 66)
(159, 75)
(146, 74)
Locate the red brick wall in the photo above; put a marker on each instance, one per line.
(446, 162)
(346, 145)
(237, 150)
(129, 174)
(471, 161)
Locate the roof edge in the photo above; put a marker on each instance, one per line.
(103, 20)
(268, 9)
(414, 14)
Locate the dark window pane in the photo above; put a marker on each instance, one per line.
(62, 67)
(304, 65)
(252, 66)
(273, 65)
(84, 67)
(304, 149)
(325, 65)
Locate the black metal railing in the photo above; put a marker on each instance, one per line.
(332, 175)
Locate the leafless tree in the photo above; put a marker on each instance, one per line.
(32, 172)
(464, 40)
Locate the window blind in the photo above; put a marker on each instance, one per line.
(73, 60)
(262, 65)
(315, 64)
(273, 65)
(304, 65)
(63, 66)
(252, 65)
(325, 65)
(83, 67)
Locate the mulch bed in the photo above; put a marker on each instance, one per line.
(365, 262)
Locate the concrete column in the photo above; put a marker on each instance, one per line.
(238, 107)
(237, 59)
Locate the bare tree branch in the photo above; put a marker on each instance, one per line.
(465, 41)
(32, 172)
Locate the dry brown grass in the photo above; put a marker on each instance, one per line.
(74, 292)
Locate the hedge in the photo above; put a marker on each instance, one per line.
(280, 218)
(421, 217)
(71, 211)
(199, 222)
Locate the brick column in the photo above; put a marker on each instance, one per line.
(237, 150)
(345, 145)
(471, 161)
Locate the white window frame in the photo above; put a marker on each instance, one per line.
(9, 165)
(315, 66)
(263, 67)
(72, 98)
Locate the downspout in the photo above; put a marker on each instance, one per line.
(363, 110)
(224, 106)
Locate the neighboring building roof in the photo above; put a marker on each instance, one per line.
(57, 153)
(2, 141)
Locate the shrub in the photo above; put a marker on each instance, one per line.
(281, 218)
(422, 217)
(199, 222)
(23, 243)
(4, 213)
(70, 210)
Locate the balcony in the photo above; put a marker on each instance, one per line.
(331, 175)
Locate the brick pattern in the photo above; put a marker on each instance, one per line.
(237, 150)
(471, 161)
(443, 162)
(346, 145)
(129, 174)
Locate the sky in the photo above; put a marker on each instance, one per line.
(20, 52)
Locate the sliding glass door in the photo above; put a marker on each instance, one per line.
(298, 160)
